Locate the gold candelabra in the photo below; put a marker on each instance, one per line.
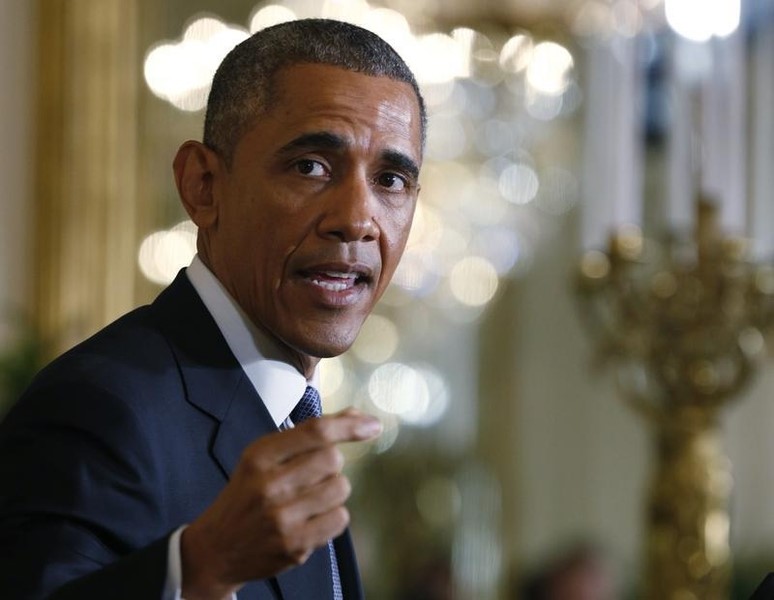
(682, 322)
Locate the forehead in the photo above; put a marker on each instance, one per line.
(366, 110)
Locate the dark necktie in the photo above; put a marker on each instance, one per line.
(309, 407)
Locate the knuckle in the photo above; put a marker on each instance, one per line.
(338, 489)
(299, 556)
(285, 525)
(334, 459)
(254, 462)
(251, 463)
(345, 486)
(273, 489)
(292, 544)
(340, 518)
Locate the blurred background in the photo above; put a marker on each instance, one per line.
(511, 465)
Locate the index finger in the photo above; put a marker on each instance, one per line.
(347, 426)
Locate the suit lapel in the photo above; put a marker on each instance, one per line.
(245, 420)
(216, 384)
(214, 381)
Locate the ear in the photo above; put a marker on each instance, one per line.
(195, 167)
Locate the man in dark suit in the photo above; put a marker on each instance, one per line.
(165, 457)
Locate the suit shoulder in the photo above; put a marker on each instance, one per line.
(127, 366)
(131, 347)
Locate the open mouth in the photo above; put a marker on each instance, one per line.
(337, 281)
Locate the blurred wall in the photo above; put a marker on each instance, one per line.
(17, 41)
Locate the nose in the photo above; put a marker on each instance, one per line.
(349, 212)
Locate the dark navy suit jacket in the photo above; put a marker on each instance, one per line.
(766, 589)
(120, 441)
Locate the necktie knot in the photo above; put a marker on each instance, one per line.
(308, 407)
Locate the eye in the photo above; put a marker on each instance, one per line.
(311, 168)
(392, 182)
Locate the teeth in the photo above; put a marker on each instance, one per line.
(335, 281)
(334, 286)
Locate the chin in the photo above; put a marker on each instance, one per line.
(328, 342)
(329, 349)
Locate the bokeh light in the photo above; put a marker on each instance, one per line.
(417, 395)
(438, 58)
(416, 273)
(268, 16)
(519, 183)
(473, 281)
(398, 389)
(425, 414)
(332, 373)
(163, 253)
(354, 11)
(391, 26)
(549, 68)
(426, 230)
(516, 53)
(181, 72)
(377, 341)
(698, 20)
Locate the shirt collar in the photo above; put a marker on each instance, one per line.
(279, 384)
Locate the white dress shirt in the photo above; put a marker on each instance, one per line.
(279, 384)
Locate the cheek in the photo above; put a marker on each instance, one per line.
(397, 230)
(268, 234)
(394, 239)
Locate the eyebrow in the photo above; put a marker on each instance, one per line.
(402, 162)
(325, 140)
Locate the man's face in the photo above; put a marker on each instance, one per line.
(314, 213)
